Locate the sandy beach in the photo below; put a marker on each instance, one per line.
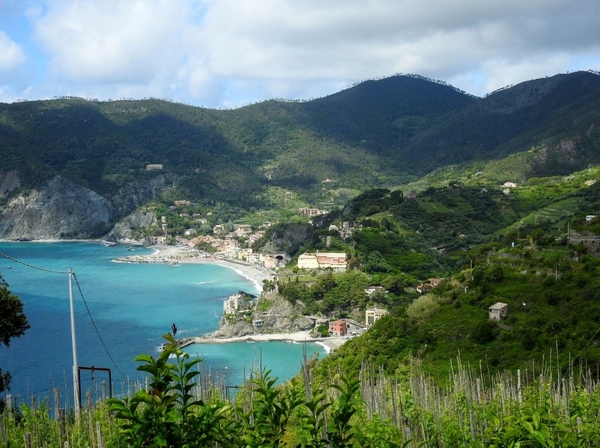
(176, 255)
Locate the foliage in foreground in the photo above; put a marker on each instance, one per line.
(535, 408)
(13, 324)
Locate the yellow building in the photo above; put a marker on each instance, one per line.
(372, 315)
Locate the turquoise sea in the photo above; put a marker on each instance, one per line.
(131, 307)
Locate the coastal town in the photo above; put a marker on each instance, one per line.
(226, 249)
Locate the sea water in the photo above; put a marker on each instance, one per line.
(122, 310)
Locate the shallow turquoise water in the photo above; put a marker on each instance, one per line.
(132, 305)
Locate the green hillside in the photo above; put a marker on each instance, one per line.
(380, 133)
(530, 247)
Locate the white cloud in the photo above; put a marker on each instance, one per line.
(11, 54)
(231, 52)
(113, 41)
(286, 41)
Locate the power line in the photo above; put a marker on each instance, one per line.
(96, 327)
(52, 271)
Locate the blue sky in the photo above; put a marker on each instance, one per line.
(228, 53)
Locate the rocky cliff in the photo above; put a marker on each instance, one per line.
(277, 316)
(60, 208)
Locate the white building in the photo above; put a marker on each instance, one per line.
(335, 261)
(308, 261)
(498, 311)
(237, 302)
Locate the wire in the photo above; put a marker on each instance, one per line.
(96, 327)
(586, 345)
(52, 271)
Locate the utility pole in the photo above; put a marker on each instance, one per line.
(74, 343)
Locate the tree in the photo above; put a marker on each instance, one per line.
(13, 323)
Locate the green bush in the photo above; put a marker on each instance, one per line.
(423, 308)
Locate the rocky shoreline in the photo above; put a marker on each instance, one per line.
(330, 343)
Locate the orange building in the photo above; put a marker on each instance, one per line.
(338, 328)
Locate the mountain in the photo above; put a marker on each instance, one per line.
(379, 133)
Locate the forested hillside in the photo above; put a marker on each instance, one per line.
(376, 134)
(442, 258)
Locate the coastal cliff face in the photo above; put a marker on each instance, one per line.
(58, 209)
(129, 229)
(61, 209)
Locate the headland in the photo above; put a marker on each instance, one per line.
(174, 255)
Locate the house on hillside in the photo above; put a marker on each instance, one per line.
(498, 311)
(336, 261)
(219, 229)
(242, 229)
(332, 260)
(308, 261)
(237, 303)
(370, 290)
(311, 212)
(338, 328)
(372, 315)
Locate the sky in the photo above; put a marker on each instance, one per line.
(230, 53)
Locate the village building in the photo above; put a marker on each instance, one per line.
(370, 290)
(372, 315)
(427, 287)
(244, 254)
(336, 261)
(270, 262)
(354, 327)
(311, 211)
(498, 311)
(338, 328)
(219, 229)
(308, 261)
(237, 303)
(252, 239)
(154, 166)
(348, 229)
(242, 229)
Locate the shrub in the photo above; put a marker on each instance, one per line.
(423, 308)
(485, 331)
